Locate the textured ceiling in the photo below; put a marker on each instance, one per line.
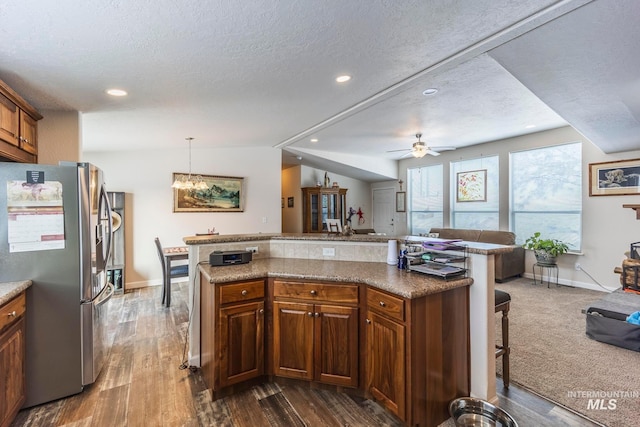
(261, 73)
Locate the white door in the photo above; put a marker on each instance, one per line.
(384, 211)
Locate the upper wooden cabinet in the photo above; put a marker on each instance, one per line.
(18, 127)
(319, 204)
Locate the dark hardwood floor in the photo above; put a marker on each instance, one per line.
(142, 385)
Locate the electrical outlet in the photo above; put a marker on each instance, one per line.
(578, 267)
(253, 249)
(328, 252)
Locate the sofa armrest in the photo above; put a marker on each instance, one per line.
(510, 264)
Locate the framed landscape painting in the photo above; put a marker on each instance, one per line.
(616, 178)
(223, 194)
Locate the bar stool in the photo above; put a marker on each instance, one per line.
(503, 301)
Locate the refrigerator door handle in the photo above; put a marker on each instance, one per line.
(105, 295)
(104, 196)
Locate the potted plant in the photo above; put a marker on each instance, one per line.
(546, 250)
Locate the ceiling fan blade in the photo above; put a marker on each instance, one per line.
(438, 149)
(404, 149)
(433, 153)
(407, 155)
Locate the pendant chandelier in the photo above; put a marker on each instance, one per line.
(184, 182)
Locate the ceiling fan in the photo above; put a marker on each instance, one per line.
(419, 149)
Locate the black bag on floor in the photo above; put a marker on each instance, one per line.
(611, 327)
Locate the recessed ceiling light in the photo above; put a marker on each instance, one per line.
(314, 139)
(342, 79)
(117, 92)
(530, 126)
(430, 91)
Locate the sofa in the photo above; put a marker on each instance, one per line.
(507, 265)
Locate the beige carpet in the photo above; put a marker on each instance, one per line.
(551, 355)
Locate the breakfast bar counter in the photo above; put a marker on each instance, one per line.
(379, 275)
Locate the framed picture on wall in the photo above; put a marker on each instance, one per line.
(471, 186)
(223, 194)
(617, 178)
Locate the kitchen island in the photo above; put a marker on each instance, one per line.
(372, 251)
(365, 327)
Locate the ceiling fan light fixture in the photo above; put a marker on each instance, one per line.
(418, 151)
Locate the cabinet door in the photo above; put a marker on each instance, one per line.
(386, 363)
(12, 384)
(336, 346)
(293, 339)
(28, 133)
(9, 121)
(241, 342)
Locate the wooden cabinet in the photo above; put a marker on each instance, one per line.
(232, 328)
(417, 353)
(386, 351)
(18, 127)
(315, 332)
(12, 358)
(319, 204)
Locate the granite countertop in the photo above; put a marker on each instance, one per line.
(8, 290)
(472, 247)
(376, 274)
(230, 238)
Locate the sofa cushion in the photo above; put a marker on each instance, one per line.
(457, 233)
(497, 237)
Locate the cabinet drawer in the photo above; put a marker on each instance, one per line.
(241, 291)
(316, 291)
(12, 310)
(386, 304)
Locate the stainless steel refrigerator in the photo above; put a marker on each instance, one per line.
(56, 230)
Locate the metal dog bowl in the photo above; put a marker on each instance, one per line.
(471, 412)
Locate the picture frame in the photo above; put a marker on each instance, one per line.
(290, 202)
(471, 186)
(223, 194)
(615, 178)
(401, 201)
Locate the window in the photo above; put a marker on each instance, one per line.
(426, 200)
(481, 212)
(546, 193)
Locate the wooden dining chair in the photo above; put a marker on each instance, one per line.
(169, 272)
(503, 303)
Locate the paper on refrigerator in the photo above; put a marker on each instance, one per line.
(35, 216)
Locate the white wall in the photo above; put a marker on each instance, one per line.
(292, 216)
(146, 177)
(607, 227)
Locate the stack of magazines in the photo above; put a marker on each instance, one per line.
(438, 269)
(443, 245)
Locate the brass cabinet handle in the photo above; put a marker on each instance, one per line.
(12, 314)
(314, 292)
(382, 304)
(310, 314)
(368, 321)
(244, 292)
(317, 314)
(261, 311)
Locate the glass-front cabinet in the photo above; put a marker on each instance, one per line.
(320, 204)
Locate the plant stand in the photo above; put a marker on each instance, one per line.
(551, 269)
